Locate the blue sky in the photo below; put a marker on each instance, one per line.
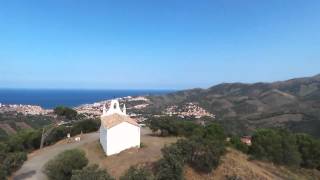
(151, 44)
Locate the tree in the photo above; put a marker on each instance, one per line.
(278, 146)
(85, 126)
(91, 173)
(173, 126)
(309, 148)
(137, 173)
(3, 174)
(214, 131)
(14, 161)
(237, 144)
(61, 167)
(201, 154)
(66, 112)
(171, 165)
(57, 134)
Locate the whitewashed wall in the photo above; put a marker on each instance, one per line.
(103, 138)
(122, 136)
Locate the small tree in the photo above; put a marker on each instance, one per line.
(91, 173)
(137, 173)
(14, 161)
(66, 112)
(3, 174)
(61, 167)
(278, 146)
(171, 165)
(237, 144)
(309, 149)
(85, 126)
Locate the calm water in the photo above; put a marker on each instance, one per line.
(71, 98)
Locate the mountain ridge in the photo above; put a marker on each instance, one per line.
(242, 107)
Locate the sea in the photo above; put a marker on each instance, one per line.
(49, 99)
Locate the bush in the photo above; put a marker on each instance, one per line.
(206, 155)
(202, 151)
(309, 148)
(14, 161)
(61, 167)
(278, 146)
(201, 154)
(85, 126)
(137, 173)
(91, 173)
(66, 112)
(56, 135)
(236, 143)
(173, 126)
(30, 139)
(3, 174)
(214, 132)
(171, 165)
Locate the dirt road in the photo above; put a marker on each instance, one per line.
(32, 168)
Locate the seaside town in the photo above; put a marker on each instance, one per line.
(188, 110)
(24, 109)
(94, 110)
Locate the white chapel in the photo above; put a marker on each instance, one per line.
(118, 131)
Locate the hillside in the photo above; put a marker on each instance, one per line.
(12, 122)
(241, 108)
(236, 165)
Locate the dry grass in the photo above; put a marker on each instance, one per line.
(7, 128)
(23, 125)
(118, 164)
(236, 164)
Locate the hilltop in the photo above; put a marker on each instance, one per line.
(241, 108)
(236, 165)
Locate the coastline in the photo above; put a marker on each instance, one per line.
(49, 99)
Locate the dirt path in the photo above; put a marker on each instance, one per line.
(32, 168)
(116, 165)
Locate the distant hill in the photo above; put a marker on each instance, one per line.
(241, 108)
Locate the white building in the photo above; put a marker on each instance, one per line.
(118, 131)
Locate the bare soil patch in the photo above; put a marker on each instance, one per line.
(118, 164)
(8, 129)
(238, 165)
(23, 125)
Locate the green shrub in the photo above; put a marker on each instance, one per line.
(137, 173)
(3, 173)
(215, 132)
(85, 126)
(57, 134)
(278, 146)
(14, 161)
(66, 112)
(201, 154)
(91, 173)
(309, 148)
(61, 167)
(236, 143)
(172, 126)
(171, 165)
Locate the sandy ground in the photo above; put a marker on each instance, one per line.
(32, 168)
(116, 165)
